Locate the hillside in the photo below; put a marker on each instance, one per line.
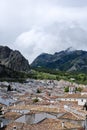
(13, 59)
(67, 60)
(6, 73)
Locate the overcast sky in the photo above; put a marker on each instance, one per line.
(37, 26)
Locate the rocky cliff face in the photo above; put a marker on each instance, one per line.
(67, 60)
(13, 59)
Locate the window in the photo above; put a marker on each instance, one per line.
(81, 100)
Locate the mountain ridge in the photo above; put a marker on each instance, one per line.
(13, 59)
(66, 60)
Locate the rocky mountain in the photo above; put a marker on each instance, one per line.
(13, 60)
(66, 60)
(8, 73)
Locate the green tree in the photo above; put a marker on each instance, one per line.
(38, 91)
(58, 77)
(79, 89)
(9, 88)
(66, 89)
(35, 100)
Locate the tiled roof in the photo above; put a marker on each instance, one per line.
(71, 116)
(12, 115)
(84, 90)
(74, 96)
(39, 108)
(47, 124)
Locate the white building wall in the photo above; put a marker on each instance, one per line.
(83, 93)
(81, 102)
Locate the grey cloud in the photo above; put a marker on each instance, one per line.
(71, 3)
(36, 26)
(50, 40)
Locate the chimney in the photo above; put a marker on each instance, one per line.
(3, 112)
(3, 108)
(1, 125)
(63, 124)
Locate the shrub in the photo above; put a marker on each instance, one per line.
(66, 89)
(38, 91)
(35, 100)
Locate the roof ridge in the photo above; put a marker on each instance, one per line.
(75, 115)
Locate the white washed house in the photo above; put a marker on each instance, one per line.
(81, 99)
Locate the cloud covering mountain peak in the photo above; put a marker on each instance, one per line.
(34, 27)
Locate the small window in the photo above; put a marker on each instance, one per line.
(81, 100)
